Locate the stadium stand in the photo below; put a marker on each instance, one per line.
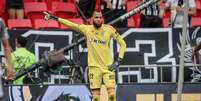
(64, 10)
(166, 22)
(30, 0)
(42, 24)
(198, 8)
(196, 21)
(136, 17)
(2, 7)
(34, 10)
(49, 3)
(3, 13)
(19, 24)
(131, 23)
(72, 1)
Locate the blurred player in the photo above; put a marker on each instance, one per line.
(21, 58)
(7, 52)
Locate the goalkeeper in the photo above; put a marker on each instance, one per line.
(100, 61)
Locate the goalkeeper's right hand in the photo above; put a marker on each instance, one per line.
(115, 64)
(49, 16)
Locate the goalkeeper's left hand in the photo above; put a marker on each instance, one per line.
(115, 64)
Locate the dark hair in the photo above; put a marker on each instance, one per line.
(22, 41)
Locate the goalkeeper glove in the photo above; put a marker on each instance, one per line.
(49, 16)
(115, 64)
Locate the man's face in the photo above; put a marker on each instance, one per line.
(97, 19)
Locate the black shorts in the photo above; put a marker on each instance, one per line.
(147, 21)
(110, 15)
(16, 4)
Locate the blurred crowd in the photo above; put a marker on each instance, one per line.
(165, 13)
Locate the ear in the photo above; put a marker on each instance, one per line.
(103, 20)
(90, 20)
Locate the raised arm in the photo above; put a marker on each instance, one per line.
(71, 25)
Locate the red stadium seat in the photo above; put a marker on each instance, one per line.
(34, 10)
(131, 23)
(3, 12)
(198, 4)
(75, 20)
(2, 7)
(136, 17)
(131, 5)
(166, 22)
(49, 3)
(30, 0)
(42, 24)
(196, 21)
(64, 10)
(19, 24)
(72, 1)
(198, 8)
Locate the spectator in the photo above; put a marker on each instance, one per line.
(113, 9)
(15, 9)
(150, 17)
(7, 52)
(86, 6)
(177, 11)
(21, 58)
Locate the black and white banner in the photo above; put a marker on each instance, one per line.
(157, 92)
(160, 46)
(156, 47)
(47, 93)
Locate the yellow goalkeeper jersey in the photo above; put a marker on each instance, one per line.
(98, 42)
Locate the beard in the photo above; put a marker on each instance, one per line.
(97, 25)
